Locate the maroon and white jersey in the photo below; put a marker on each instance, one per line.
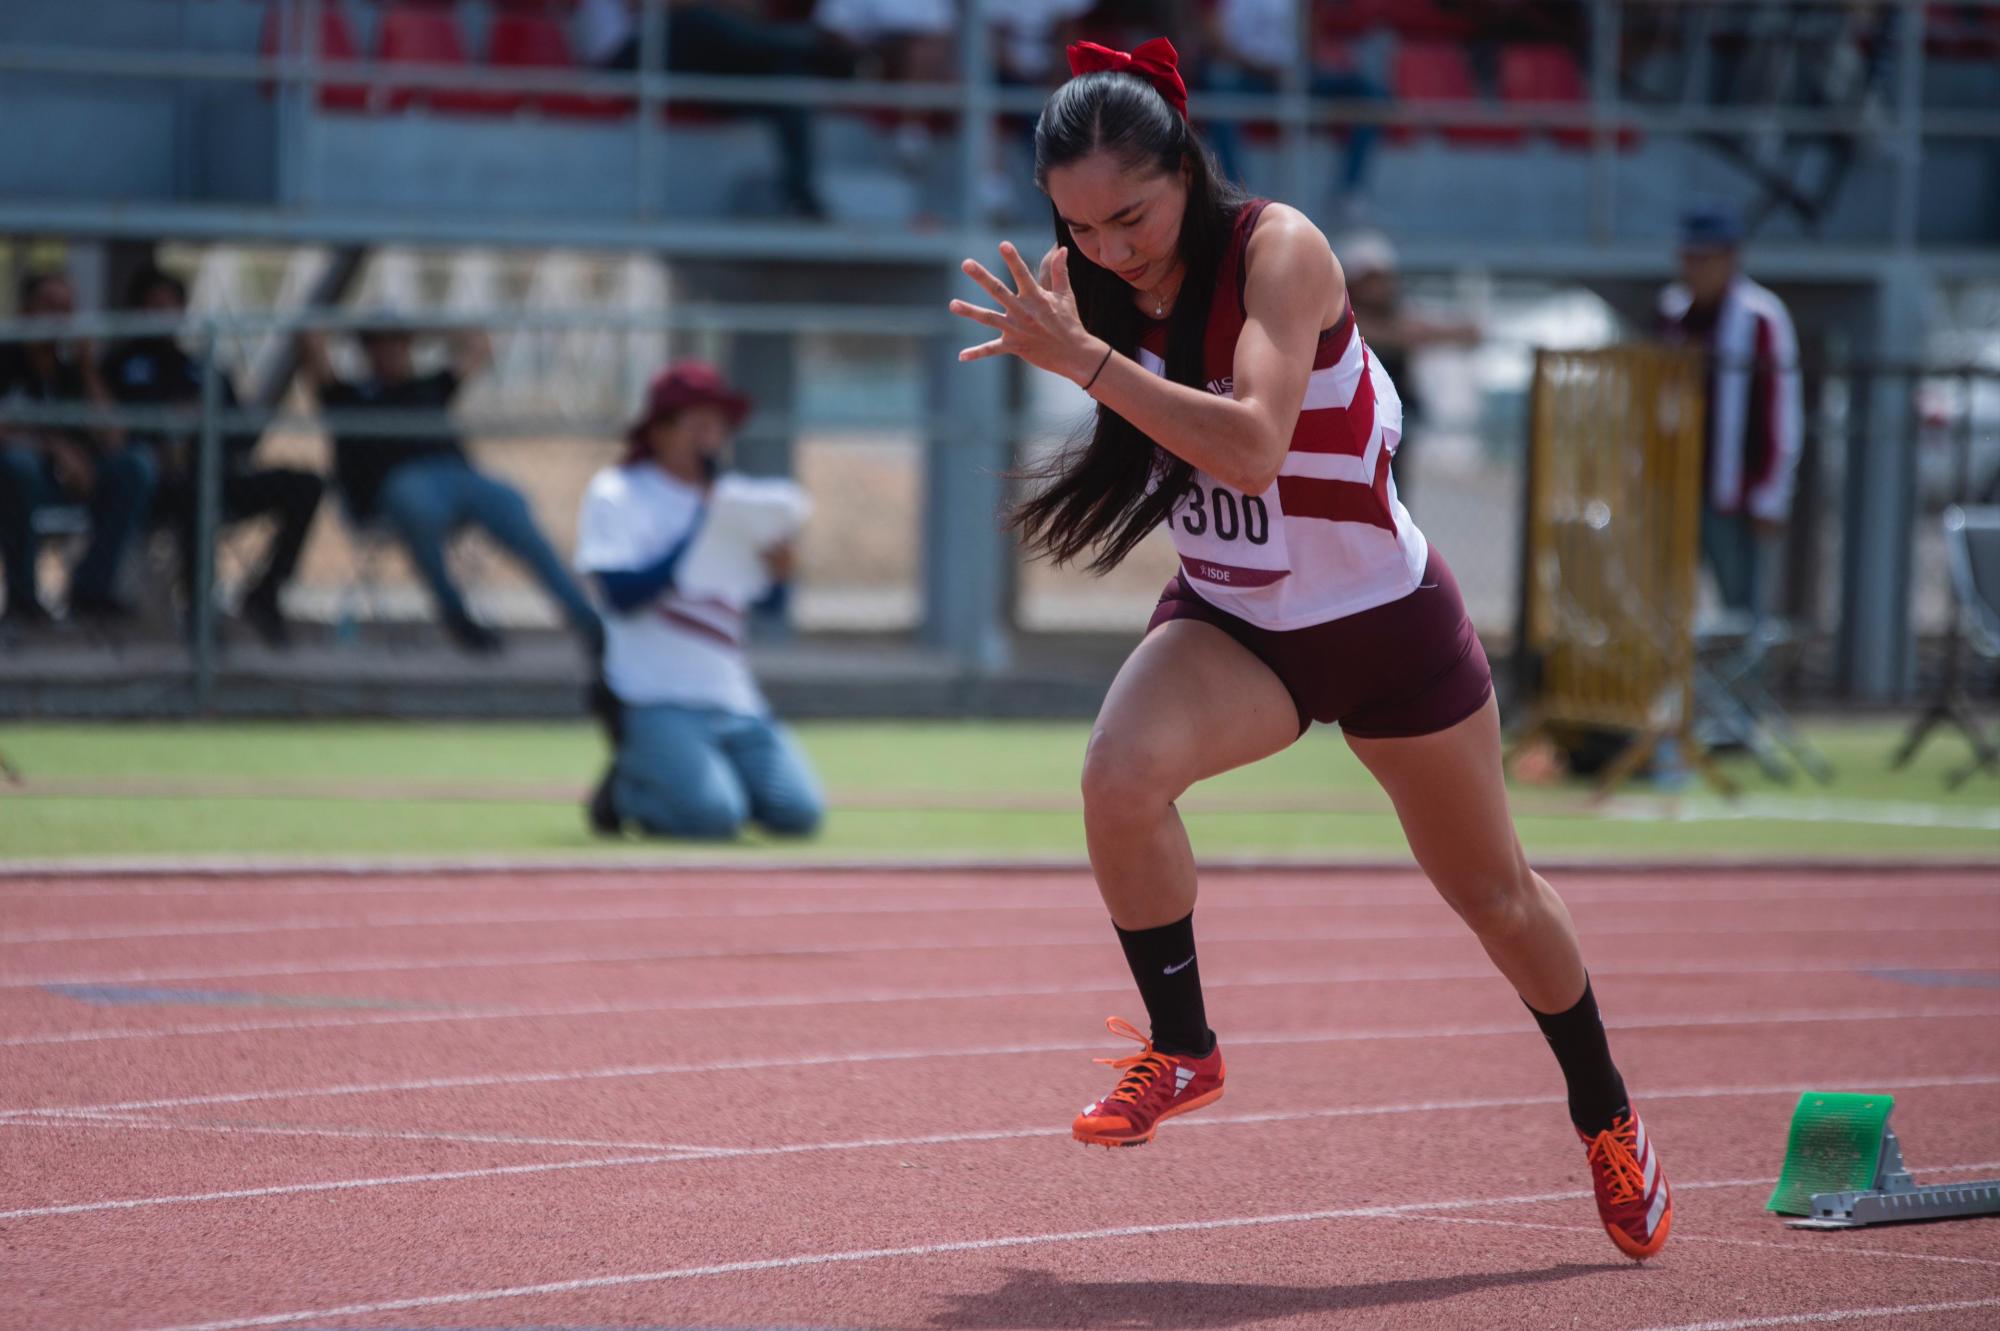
(1329, 538)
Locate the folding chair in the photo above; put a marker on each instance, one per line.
(61, 522)
(1735, 653)
(67, 525)
(365, 596)
(362, 596)
(1972, 555)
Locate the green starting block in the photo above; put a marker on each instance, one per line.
(1844, 1169)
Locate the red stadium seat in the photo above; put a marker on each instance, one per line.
(1962, 31)
(425, 34)
(535, 41)
(1544, 73)
(1437, 72)
(336, 42)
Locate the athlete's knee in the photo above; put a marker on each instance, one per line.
(1496, 902)
(1127, 775)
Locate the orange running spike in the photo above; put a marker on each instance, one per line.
(1633, 1199)
(1155, 1087)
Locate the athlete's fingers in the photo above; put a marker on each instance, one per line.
(993, 286)
(979, 314)
(982, 351)
(1045, 270)
(1024, 280)
(1059, 274)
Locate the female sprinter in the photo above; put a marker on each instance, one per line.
(1238, 403)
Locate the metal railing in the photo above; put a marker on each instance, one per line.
(204, 422)
(299, 72)
(1887, 447)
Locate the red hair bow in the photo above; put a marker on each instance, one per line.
(1155, 61)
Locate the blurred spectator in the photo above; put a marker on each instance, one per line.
(903, 41)
(1028, 41)
(608, 33)
(155, 371)
(1029, 37)
(1394, 331)
(42, 465)
(1251, 45)
(910, 39)
(698, 752)
(1754, 410)
(421, 485)
(1124, 24)
(730, 37)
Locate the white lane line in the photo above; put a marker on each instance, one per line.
(1792, 809)
(1719, 883)
(1798, 1017)
(938, 1139)
(336, 1185)
(735, 1065)
(1503, 1029)
(574, 957)
(1680, 1237)
(141, 1123)
(735, 952)
(915, 1250)
(649, 1008)
(563, 915)
(1839, 1316)
(133, 1118)
(332, 923)
(567, 915)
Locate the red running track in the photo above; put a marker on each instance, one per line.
(841, 1100)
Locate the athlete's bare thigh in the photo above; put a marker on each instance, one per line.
(1191, 702)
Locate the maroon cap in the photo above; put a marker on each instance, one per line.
(688, 383)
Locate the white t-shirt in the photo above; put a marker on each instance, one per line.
(867, 21)
(1026, 29)
(677, 648)
(1265, 31)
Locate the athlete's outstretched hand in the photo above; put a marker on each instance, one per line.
(1037, 319)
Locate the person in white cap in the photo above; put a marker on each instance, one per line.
(1395, 332)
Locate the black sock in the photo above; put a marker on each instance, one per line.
(1596, 1091)
(1162, 961)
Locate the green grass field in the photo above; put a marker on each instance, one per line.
(1005, 789)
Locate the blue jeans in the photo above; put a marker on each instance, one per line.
(700, 772)
(426, 500)
(118, 501)
(1225, 136)
(1735, 554)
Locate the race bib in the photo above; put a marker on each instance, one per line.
(1226, 538)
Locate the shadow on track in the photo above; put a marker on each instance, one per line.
(1038, 1301)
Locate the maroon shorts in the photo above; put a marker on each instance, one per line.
(1411, 667)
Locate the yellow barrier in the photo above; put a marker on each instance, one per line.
(1611, 540)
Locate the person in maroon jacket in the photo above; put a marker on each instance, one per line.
(1754, 410)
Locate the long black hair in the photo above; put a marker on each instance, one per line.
(1112, 484)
